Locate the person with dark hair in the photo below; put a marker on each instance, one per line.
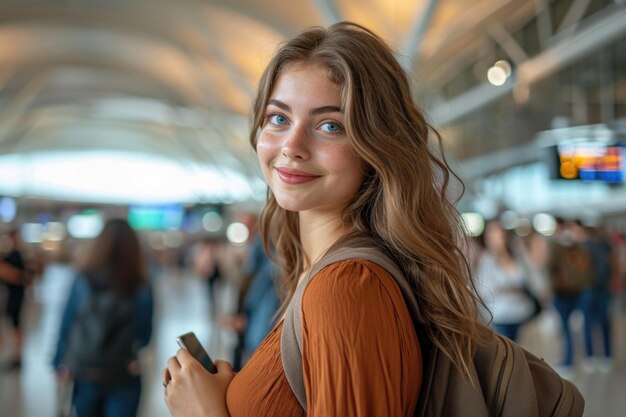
(348, 156)
(205, 260)
(107, 319)
(506, 280)
(12, 274)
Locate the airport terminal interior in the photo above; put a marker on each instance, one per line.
(140, 110)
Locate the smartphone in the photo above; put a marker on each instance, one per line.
(190, 342)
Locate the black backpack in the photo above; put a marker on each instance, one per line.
(101, 347)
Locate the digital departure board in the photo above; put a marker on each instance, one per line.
(588, 161)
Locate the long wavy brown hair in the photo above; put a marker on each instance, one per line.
(402, 203)
(115, 259)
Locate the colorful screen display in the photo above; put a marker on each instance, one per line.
(589, 162)
(156, 217)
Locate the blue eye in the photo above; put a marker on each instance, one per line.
(331, 127)
(277, 119)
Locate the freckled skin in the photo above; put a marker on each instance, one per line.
(304, 130)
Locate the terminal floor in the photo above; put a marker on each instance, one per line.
(182, 305)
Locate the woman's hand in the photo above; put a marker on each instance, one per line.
(191, 391)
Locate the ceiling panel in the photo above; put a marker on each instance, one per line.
(193, 65)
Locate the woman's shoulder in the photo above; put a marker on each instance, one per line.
(351, 272)
(351, 282)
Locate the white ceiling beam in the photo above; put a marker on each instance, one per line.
(411, 45)
(473, 18)
(610, 27)
(602, 31)
(506, 41)
(17, 107)
(544, 22)
(96, 47)
(215, 46)
(574, 14)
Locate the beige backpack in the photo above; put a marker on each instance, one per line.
(507, 380)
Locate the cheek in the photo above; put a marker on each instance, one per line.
(264, 152)
(348, 165)
(349, 169)
(339, 158)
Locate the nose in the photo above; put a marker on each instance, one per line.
(295, 143)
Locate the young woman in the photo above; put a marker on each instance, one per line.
(113, 270)
(505, 277)
(346, 153)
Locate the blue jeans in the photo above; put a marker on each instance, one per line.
(95, 400)
(595, 306)
(508, 330)
(565, 305)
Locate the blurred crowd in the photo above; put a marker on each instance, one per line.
(108, 312)
(519, 276)
(579, 268)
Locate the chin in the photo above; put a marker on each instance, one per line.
(289, 205)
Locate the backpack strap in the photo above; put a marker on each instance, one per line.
(291, 337)
(504, 380)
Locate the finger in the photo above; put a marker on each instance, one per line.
(173, 365)
(166, 377)
(184, 357)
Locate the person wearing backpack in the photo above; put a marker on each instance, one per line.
(106, 321)
(570, 273)
(358, 217)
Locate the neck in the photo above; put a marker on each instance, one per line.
(318, 233)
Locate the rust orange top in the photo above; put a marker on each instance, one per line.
(360, 354)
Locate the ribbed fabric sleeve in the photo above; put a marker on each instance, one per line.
(360, 353)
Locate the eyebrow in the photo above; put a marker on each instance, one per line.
(315, 111)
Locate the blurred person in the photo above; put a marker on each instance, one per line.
(508, 283)
(537, 249)
(259, 303)
(14, 278)
(107, 319)
(569, 273)
(245, 264)
(595, 301)
(473, 249)
(345, 161)
(205, 261)
(618, 281)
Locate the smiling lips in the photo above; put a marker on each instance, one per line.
(295, 176)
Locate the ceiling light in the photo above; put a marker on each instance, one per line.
(237, 233)
(506, 67)
(496, 76)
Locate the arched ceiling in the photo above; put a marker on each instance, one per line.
(175, 78)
